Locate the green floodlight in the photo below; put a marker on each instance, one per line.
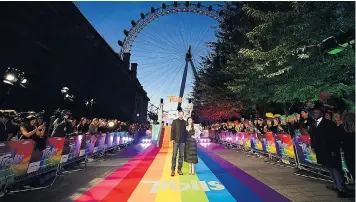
(336, 50)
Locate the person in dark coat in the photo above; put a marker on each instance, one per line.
(348, 141)
(191, 154)
(327, 143)
(178, 137)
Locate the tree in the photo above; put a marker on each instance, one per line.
(256, 58)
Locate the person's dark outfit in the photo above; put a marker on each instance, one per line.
(191, 154)
(82, 128)
(29, 128)
(178, 134)
(102, 129)
(260, 128)
(292, 127)
(6, 130)
(41, 143)
(326, 143)
(60, 126)
(273, 129)
(348, 146)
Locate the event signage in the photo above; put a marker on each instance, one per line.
(15, 157)
(71, 148)
(116, 139)
(175, 99)
(256, 143)
(284, 146)
(50, 156)
(268, 143)
(305, 153)
(19, 158)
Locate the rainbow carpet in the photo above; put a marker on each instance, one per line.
(146, 178)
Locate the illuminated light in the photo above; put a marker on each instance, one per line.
(336, 51)
(10, 77)
(111, 124)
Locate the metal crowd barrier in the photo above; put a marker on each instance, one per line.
(281, 150)
(19, 161)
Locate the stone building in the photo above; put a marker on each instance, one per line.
(55, 45)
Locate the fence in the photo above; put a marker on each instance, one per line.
(281, 149)
(19, 160)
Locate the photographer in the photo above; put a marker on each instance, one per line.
(8, 129)
(61, 124)
(41, 140)
(28, 130)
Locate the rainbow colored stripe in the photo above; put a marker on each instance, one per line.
(146, 178)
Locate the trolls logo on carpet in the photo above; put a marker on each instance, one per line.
(183, 186)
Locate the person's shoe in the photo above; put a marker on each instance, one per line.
(180, 172)
(343, 194)
(333, 188)
(173, 173)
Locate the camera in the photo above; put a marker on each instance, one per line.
(59, 113)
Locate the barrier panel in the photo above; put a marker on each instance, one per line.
(269, 144)
(19, 159)
(15, 157)
(256, 142)
(47, 158)
(306, 155)
(71, 149)
(282, 146)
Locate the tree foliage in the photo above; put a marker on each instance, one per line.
(256, 57)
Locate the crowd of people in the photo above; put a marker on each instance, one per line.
(330, 132)
(33, 127)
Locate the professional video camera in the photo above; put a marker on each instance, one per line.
(12, 116)
(60, 113)
(19, 117)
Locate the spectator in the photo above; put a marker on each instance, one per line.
(7, 128)
(29, 129)
(93, 127)
(348, 141)
(326, 145)
(60, 126)
(83, 127)
(41, 139)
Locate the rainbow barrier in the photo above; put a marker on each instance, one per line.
(282, 147)
(19, 160)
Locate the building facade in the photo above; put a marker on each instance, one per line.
(55, 45)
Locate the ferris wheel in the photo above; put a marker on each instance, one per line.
(168, 44)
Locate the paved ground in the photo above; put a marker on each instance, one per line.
(280, 179)
(296, 188)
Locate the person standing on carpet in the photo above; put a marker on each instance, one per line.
(178, 137)
(190, 155)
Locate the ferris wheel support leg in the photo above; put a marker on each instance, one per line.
(182, 86)
(194, 70)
